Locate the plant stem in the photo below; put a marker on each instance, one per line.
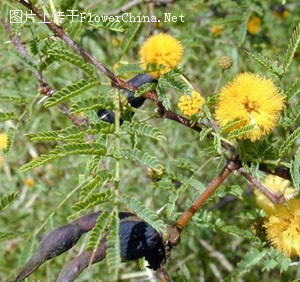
(187, 216)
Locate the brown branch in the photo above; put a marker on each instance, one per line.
(184, 219)
(276, 198)
(58, 31)
(119, 83)
(45, 88)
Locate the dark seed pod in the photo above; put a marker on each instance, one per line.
(139, 239)
(135, 102)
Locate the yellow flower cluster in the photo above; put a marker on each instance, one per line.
(3, 141)
(216, 30)
(163, 51)
(283, 220)
(253, 100)
(283, 228)
(254, 25)
(190, 105)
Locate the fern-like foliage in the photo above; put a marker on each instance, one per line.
(243, 26)
(129, 36)
(273, 67)
(91, 200)
(289, 142)
(101, 179)
(106, 24)
(144, 89)
(236, 133)
(113, 248)
(67, 134)
(72, 58)
(7, 116)
(142, 157)
(8, 200)
(12, 99)
(4, 236)
(65, 150)
(293, 90)
(143, 212)
(291, 49)
(291, 117)
(70, 91)
(142, 129)
(295, 170)
(92, 103)
(96, 235)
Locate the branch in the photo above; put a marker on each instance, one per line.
(276, 198)
(119, 83)
(187, 216)
(58, 31)
(45, 88)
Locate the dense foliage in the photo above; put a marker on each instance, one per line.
(60, 161)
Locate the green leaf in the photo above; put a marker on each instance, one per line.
(142, 129)
(142, 157)
(146, 214)
(8, 200)
(7, 116)
(129, 36)
(101, 179)
(92, 103)
(27, 250)
(4, 236)
(65, 150)
(105, 23)
(13, 99)
(289, 142)
(291, 49)
(97, 233)
(251, 258)
(92, 199)
(243, 26)
(144, 89)
(293, 90)
(73, 59)
(273, 67)
(239, 132)
(70, 91)
(295, 170)
(113, 251)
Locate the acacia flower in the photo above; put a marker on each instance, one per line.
(3, 141)
(254, 25)
(190, 105)
(250, 100)
(216, 30)
(275, 184)
(283, 228)
(163, 51)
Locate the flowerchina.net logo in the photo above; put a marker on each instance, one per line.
(19, 17)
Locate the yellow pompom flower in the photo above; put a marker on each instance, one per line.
(3, 141)
(251, 100)
(190, 105)
(254, 25)
(216, 30)
(274, 184)
(163, 51)
(283, 228)
(29, 182)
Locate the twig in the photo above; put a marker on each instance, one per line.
(119, 83)
(187, 216)
(45, 88)
(276, 198)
